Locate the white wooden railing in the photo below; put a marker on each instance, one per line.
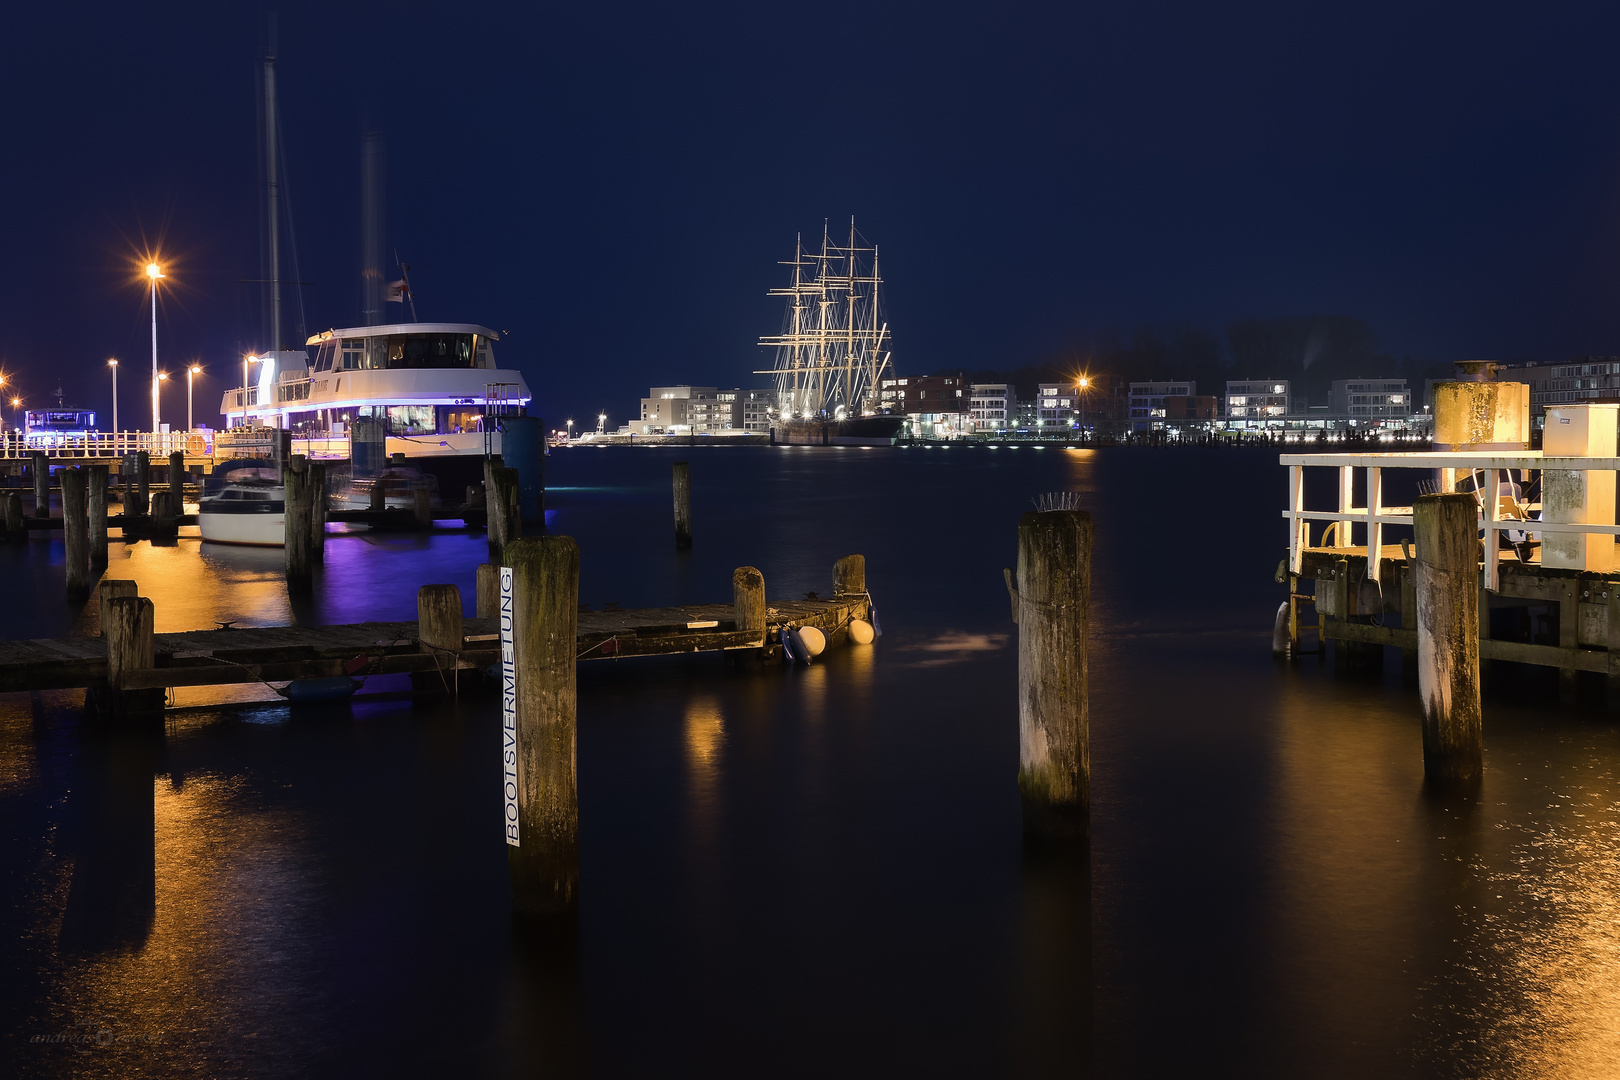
(109, 444)
(1374, 516)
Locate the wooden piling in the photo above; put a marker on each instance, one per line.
(177, 480)
(317, 512)
(11, 507)
(130, 646)
(76, 531)
(849, 576)
(503, 510)
(748, 598)
(296, 534)
(379, 497)
(1447, 588)
(422, 504)
(143, 484)
(489, 591)
(110, 589)
(439, 632)
(543, 847)
(41, 469)
(683, 505)
(97, 503)
(1054, 719)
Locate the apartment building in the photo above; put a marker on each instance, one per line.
(1147, 400)
(991, 406)
(1257, 400)
(1369, 399)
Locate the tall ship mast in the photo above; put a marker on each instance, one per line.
(833, 350)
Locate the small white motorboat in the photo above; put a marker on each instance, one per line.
(250, 506)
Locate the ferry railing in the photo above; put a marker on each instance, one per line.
(1375, 516)
(109, 445)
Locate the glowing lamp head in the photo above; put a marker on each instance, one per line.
(1084, 382)
(16, 401)
(154, 271)
(112, 363)
(196, 369)
(163, 376)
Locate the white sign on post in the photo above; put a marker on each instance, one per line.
(509, 776)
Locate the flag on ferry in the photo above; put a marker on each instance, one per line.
(398, 291)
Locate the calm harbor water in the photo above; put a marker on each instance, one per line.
(818, 871)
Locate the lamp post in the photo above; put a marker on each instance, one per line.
(163, 377)
(112, 365)
(570, 431)
(194, 369)
(154, 274)
(246, 360)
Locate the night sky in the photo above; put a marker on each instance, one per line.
(614, 184)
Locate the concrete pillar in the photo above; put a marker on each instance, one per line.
(748, 599)
(849, 576)
(489, 590)
(296, 535)
(1578, 497)
(1054, 718)
(97, 501)
(40, 466)
(76, 531)
(110, 589)
(130, 646)
(1447, 587)
(683, 505)
(544, 860)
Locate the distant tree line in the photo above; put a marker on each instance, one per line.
(1310, 351)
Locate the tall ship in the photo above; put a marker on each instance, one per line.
(834, 347)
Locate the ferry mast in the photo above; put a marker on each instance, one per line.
(829, 360)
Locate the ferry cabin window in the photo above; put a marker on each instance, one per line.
(354, 351)
(430, 351)
(411, 419)
(324, 355)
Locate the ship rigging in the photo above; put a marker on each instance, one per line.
(833, 350)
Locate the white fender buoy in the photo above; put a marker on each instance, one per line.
(860, 632)
(814, 640)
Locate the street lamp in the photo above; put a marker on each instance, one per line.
(246, 360)
(112, 365)
(194, 369)
(570, 431)
(154, 274)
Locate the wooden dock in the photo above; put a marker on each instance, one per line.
(284, 653)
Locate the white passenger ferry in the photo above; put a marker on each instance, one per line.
(435, 386)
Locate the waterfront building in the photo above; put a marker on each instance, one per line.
(667, 408)
(1369, 399)
(756, 409)
(1180, 409)
(1055, 405)
(991, 406)
(703, 410)
(1589, 380)
(1264, 402)
(1147, 401)
(916, 395)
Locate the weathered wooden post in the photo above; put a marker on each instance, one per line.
(76, 531)
(41, 468)
(422, 505)
(748, 599)
(1053, 608)
(296, 534)
(849, 576)
(130, 647)
(11, 505)
(379, 497)
(489, 590)
(504, 510)
(683, 505)
(539, 618)
(110, 589)
(165, 514)
(1447, 586)
(177, 480)
(317, 512)
(97, 499)
(439, 632)
(143, 484)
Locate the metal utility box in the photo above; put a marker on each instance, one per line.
(1578, 497)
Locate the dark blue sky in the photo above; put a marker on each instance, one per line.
(614, 183)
